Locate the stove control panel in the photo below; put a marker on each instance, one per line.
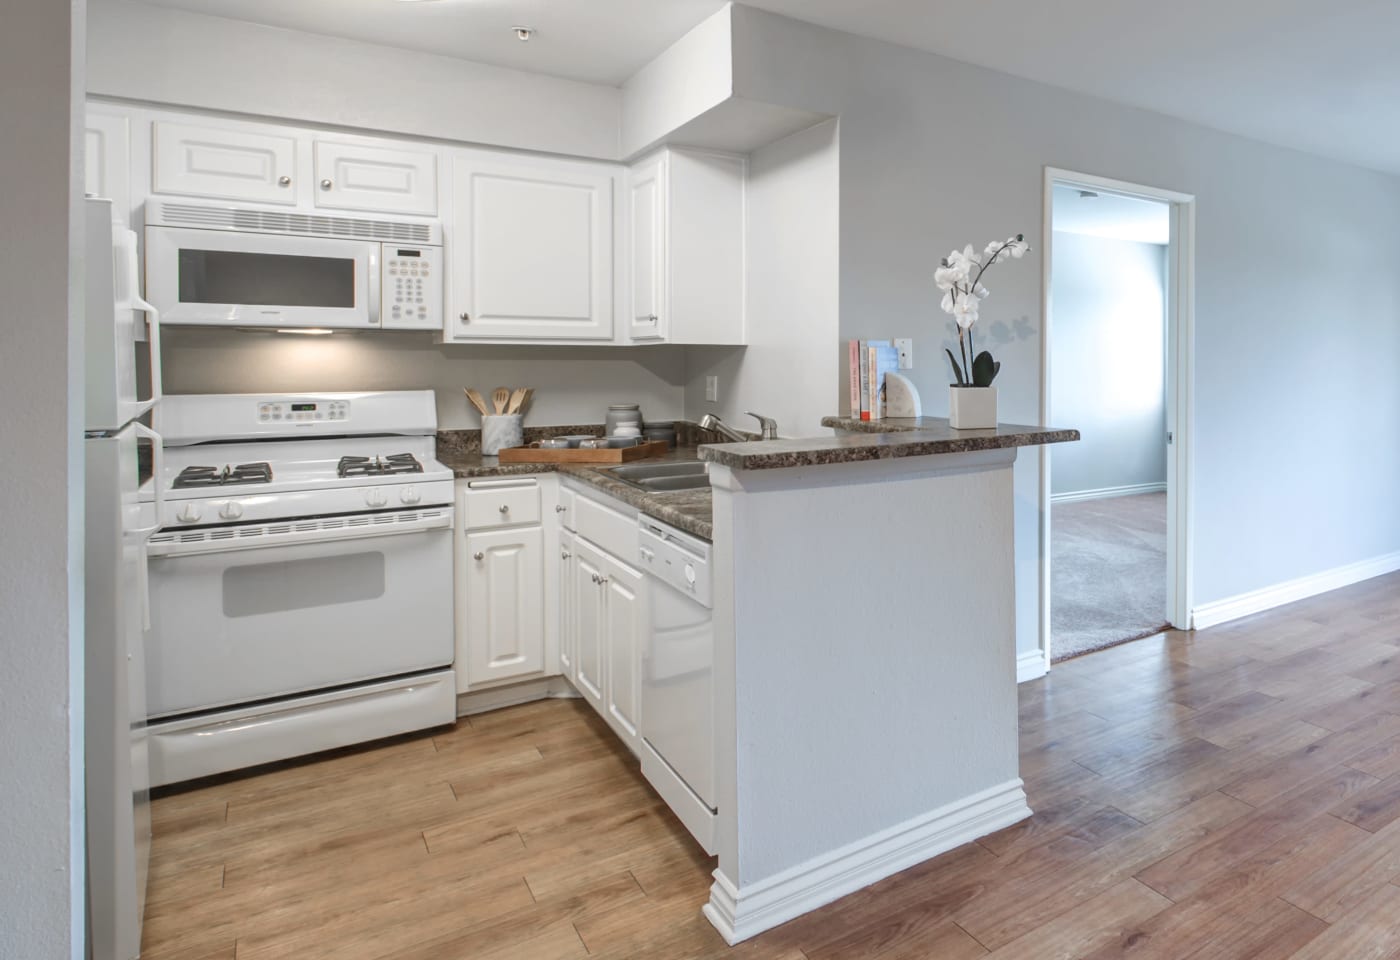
(303, 411)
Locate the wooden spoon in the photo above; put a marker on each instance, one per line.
(525, 401)
(500, 398)
(517, 397)
(476, 400)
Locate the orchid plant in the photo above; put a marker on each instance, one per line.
(959, 276)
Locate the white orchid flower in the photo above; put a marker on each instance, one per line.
(948, 301)
(948, 277)
(965, 311)
(981, 292)
(963, 260)
(1019, 249)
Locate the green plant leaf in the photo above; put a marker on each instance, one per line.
(984, 369)
(957, 370)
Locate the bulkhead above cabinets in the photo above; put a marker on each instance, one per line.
(537, 249)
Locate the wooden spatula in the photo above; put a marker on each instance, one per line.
(500, 398)
(517, 398)
(525, 401)
(476, 400)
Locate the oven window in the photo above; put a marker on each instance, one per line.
(302, 584)
(266, 279)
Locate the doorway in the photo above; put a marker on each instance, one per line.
(1115, 531)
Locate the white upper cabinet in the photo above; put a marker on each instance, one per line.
(531, 249)
(107, 161)
(225, 163)
(353, 176)
(686, 244)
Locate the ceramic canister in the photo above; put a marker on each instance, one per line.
(501, 431)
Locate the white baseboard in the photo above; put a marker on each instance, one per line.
(741, 914)
(1030, 665)
(496, 698)
(1103, 492)
(1257, 601)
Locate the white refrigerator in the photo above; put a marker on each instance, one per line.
(118, 782)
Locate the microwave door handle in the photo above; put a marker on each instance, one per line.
(375, 261)
(129, 298)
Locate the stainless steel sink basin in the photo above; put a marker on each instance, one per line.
(673, 475)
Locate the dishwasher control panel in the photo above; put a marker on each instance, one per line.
(676, 558)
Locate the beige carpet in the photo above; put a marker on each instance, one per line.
(1108, 572)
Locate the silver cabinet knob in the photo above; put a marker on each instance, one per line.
(478, 556)
(564, 554)
(594, 577)
(651, 319)
(560, 508)
(284, 181)
(505, 508)
(464, 317)
(326, 184)
(602, 580)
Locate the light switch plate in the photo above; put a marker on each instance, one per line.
(905, 346)
(712, 388)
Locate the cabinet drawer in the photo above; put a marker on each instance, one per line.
(227, 164)
(498, 504)
(614, 528)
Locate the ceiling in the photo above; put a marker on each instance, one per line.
(1320, 77)
(1110, 215)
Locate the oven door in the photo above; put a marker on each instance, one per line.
(220, 277)
(241, 614)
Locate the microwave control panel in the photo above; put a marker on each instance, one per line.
(411, 287)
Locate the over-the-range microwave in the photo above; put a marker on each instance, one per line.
(233, 266)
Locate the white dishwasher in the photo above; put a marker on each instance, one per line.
(677, 719)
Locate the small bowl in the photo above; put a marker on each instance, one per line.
(576, 439)
(593, 443)
(551, 443)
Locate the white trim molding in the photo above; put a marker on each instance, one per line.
(1257, 601)
(741, 914)
(1031, 665)
(1103, 493)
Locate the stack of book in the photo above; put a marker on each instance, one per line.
(870, 360)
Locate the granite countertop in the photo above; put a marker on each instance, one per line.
(688, 510)
(878, 440)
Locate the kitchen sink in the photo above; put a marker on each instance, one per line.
(673, 475)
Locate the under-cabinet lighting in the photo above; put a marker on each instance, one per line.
(308, 331)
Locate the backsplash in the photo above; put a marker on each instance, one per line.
(688, 434)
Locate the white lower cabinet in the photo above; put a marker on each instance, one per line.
(500, 590)
(568, 632)
(611, 620)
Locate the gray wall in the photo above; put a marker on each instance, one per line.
(41, 682)
(1108, 362)
(572, 384)
(1295, 271)
(791, 282)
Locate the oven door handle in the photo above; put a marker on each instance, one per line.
(266, 536)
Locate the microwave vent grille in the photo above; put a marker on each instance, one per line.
(294, 224)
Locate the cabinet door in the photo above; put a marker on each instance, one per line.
(626, 620)
(531, 249)
(505, 604)
(647, 209)
(568, 608)
(107, 161)
(588, 617)
(228, 164)
(352, 176)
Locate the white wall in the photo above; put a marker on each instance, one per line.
(1297, 295)
(690, 77)
(791, 294)
(160, 55)
(1108, 362)
(41, 563)
(572, 384)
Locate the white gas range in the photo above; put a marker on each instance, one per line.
(301, 578)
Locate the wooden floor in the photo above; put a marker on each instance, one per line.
(1229, 794)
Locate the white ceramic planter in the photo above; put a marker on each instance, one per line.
(972, 408)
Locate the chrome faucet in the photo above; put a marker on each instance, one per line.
(767, 425)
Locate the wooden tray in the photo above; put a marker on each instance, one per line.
(578, 455)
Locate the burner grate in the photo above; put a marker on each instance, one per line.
(378, 466)
(223, 476)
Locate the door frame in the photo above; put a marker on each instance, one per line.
(1180, 384)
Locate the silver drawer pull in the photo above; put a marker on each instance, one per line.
(564, 554)
(478, 556)
(505, 509)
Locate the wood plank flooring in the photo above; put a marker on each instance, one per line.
(1228, 794)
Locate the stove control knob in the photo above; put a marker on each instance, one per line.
(410, 495)
(231, 510)
(374, 497)
(189, 513)
(690, 576)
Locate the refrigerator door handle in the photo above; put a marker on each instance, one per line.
(128, 278)
(157, 473)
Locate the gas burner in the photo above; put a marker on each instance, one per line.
(378, 466)
(221, 476)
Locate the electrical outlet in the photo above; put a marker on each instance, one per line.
(712, 388)
(905, 346)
